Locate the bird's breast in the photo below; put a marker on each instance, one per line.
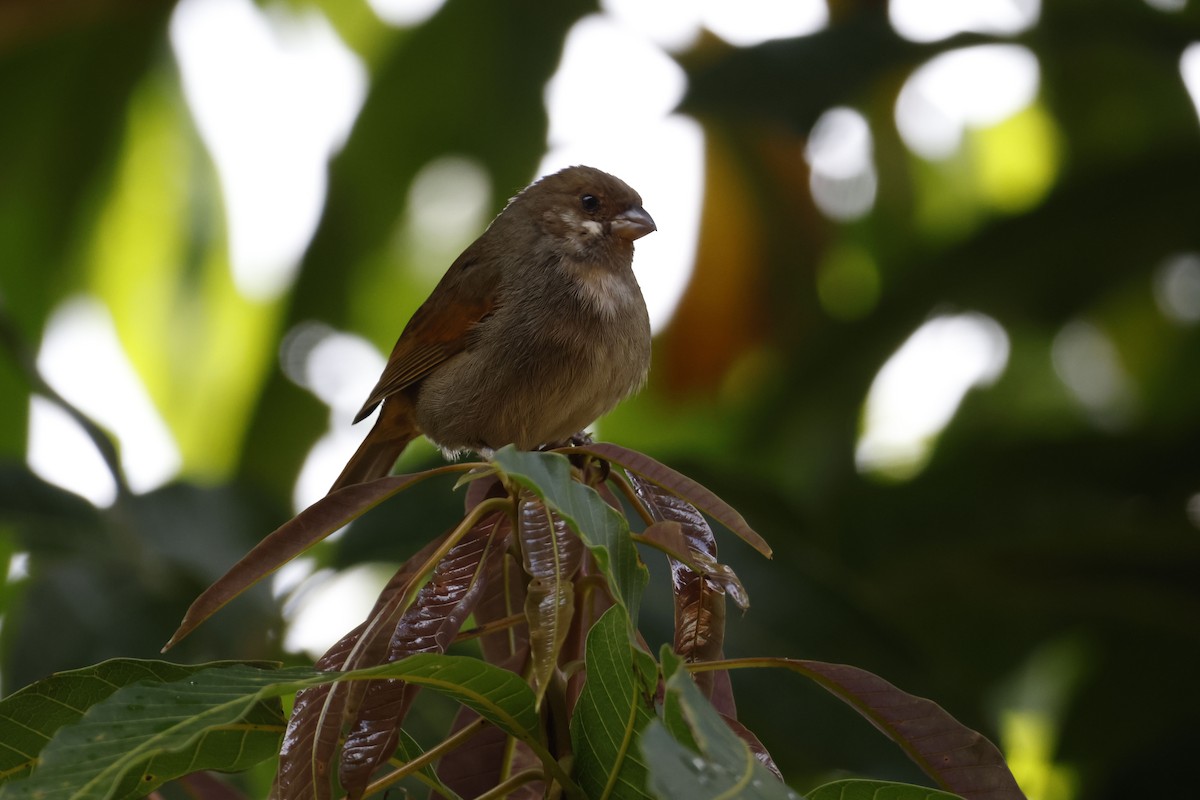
(608, 293)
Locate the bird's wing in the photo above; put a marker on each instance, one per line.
(440, 328)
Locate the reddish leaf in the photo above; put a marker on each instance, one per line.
(679, 485)
(315, 729)
(305, 755)
(959, 759)
(503, 592)
(548, 548)
(375, 651)
(485, 761)
(429, 625)
(699, 598)
(692, 566)
(722, 694)
(304, 758)
(504, 596)
(289, 540)
(756, 747)
(551, 556)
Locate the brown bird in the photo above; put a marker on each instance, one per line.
(537, 329)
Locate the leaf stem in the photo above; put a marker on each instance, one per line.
(503, 789)
(494, 626)
(457, 739)
(733, 663)
(627, 490)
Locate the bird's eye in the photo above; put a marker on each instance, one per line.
(589, 202)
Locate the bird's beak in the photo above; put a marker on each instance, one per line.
(633, 223)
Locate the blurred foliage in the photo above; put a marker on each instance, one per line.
(1038, 578)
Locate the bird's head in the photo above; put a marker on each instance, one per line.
(596, 216)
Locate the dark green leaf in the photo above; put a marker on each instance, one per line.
(216, 718)
(30, 717)
(616, 705)
(165, 721)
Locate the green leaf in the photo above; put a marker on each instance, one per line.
(599, 525)
(723, 766)
(409, 749)
(877, 790)
(162, 721)
(616, 704)
(219, 718)
(30, 717)
(672, 713)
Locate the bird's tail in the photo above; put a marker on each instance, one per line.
(374, 458)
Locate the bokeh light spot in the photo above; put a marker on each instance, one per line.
(1088, 364)
(274, 96)
(317, 611)
(750, 22)
(79, 354)
(842, 174)
(673, 24)
(676, 24)
(1189, 68)
(1177, 288)
(405, 13)
(447, 208)
(60, 452)
(931, 20)
(18, 567)
(340, 369)
(1193, 510)
(1034, 705)
(918, 390)
(656, 83)
(1168, 5)
(969, 87)
(1017, 160)
(291, 575)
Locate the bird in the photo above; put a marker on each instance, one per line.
(537, 329)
